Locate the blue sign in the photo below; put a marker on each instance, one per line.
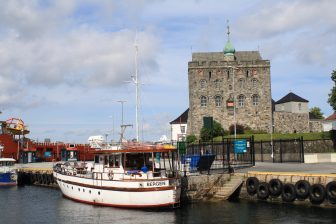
(240, 146)
(47, 154)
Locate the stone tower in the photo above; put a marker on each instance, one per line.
(229, 86)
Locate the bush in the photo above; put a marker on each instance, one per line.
(217, 130)
(239, 129)
(191, 139)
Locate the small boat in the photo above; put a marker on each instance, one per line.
(8, 175)
(132, 175)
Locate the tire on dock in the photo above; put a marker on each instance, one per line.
(302, 189)
(331, 192)
(263, 191)
(252, 184)
(317, 194)
(288, 193)
(275, 187)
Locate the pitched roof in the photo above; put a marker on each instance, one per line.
(291, 97)
(331, 117)
(183, 118)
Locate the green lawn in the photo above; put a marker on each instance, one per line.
(267, 137)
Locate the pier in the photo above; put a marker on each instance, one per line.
(224, 186)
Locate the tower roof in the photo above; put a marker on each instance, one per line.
(291, 97)
(229, 49)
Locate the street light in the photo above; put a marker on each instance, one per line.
(234, 101)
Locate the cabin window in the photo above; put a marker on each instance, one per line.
(96, 159)
(98, 192)
(116, 161)
(111, 161)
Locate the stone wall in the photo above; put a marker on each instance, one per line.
(315, 126)
(285, 122)
(211, 76)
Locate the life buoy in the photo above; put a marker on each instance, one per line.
(252, 185)
(302, 189)
(111, 175)
(317, 194)
(263, 191)
(331, 192)
(13, 177)
(288, 193)
(275, 187)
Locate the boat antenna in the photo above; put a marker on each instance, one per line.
(136, 82)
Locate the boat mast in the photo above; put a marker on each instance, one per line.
(135, 79)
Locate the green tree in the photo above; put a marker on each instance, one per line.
(316, 111)
(332, 95)
(207, 134)
(191, 139)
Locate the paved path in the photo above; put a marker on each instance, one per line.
(292, 167)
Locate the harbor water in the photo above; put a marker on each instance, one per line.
(32, 204)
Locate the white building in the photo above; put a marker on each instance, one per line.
(329, 123)
(179, 127)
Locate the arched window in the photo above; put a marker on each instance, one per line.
(241, 100)
(204, 101)
(203, 83)
(228, 74)
(241, 83)
(254, 83)
(218, 101)
(217, 83)
(247, 73)
(255, 100)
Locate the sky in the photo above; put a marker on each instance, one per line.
(65, 64)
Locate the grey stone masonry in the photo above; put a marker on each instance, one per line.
(286, 122)
(216, 81)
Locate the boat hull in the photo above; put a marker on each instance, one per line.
(8, 179)
(118, 193)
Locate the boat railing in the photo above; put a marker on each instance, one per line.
(87, 171)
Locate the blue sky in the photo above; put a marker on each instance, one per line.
(64, 64)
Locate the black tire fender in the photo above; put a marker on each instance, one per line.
(331, 192)
(275, 187)
(263, 191)
(302, 189)
(288, 193)
(252, 184)
(317, 194)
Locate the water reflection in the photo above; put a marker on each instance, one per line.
(33, 204)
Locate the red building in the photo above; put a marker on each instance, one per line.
(15, 145)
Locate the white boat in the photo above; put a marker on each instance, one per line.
(8, 175)
(132, 176)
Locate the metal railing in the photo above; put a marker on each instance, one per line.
(217, 156)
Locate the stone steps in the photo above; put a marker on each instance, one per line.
(225, 191)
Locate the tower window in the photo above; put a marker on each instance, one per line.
(241, 100)
(255, 100)
(247, 73)
(241, 83)
(202, 83)
(254, 83)
(217, 83)
(218, 101)
(209, 75)
(228, 74)
(204, 101)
